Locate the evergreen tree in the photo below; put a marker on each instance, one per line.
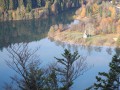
(11, 5)
(21, 3)
(39, 3)
(29, 6)
(110, 80)
(7, 4)
(69, 68)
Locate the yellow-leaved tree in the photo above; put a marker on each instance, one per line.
(95, 8)
(113, 12)
(83, 11)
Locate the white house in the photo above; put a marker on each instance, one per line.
(85, 35)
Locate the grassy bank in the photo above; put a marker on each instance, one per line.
(99, 20)
(76, 37)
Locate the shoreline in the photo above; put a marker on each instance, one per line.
(76, 44)
(44, 15)
(97, 40)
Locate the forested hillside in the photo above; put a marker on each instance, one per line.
(27, 9)
(14, 4)
(98, 23)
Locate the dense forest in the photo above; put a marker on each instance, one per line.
(28, 9)
(14, 4)
(98, 22)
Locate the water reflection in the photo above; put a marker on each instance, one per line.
(109, 50)
(89, 48)
(34, 33)
(30, 30)
(97, 56)
(117, 50)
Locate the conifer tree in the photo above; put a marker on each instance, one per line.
(29, 5)
(11, 5)
(69, 68)
(39, 3)
(110, 80)
(21, 3)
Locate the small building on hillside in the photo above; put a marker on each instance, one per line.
(85, 35)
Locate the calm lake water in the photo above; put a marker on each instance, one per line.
(34, 32)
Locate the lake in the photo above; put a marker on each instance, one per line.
(34, 32)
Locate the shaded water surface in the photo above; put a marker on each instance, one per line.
(34, 32)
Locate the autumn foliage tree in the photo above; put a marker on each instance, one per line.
(113, 12)
(95, 8)
(2, 5)
(83, 11)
